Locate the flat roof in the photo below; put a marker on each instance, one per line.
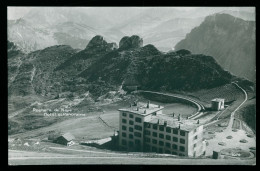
(142, 108)
(185, 124)
(217, 99)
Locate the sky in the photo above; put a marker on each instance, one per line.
(14, 13)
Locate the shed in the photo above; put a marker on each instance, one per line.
(65, 139)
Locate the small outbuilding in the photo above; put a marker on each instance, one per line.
(65, 139)
(217, 104)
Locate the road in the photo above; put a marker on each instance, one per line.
(199, 106)
(229, 127)
(36, 158)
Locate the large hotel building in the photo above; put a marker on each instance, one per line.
(146, 128)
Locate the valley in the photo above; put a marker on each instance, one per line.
(145, 86)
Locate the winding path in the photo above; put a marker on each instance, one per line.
(233, 113)
(199, 106)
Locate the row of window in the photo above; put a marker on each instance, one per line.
(168, 129)
(161, 143)
(137, 127)
(137, 119)
(130, 121)
(138, 142)
(131, 143)
(167, 137)
(160, 150)
(137, 134)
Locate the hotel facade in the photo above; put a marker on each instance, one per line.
(145, 128)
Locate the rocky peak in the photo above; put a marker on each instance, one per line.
(130, 42)
(98, 42)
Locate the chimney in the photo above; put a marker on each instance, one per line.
(179, 117)
(179, 126)
(165, 123)
(144, 111)
(159, 106)
(148, 104)
(158, 121)
(198, 122)
(137, 108)
(173, 114)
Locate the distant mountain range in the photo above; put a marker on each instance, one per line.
(44, 27)
(230, 40)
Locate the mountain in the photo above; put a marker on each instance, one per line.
(62, 77)
(162, 27)
(230, 40)
(103, 67)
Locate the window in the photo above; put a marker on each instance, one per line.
(180, 154)
(182, 141)
(124, 114)
(124, 142)
(154, 149)
(175, 139)
(124, 120)
(167, 151)
(131, 136)
(161, 143)
(131, 122)
(175, 131)
(123, 127)
(131, 143)
(160, 150)
(182, 133)
(147, 148)
(137, 142)
(138, 134)
(147, 140)
(182, 148)
(147, 132)
(131, 116)
(154, 141)
(137, 127)
(168, 145)
(155, 127)
(123, 134)
(168, 129)
(161, 128)
(138, 120)
(148, 125)
(161, 135)
(168, 137)
(154, 134)
(131, 129)
(174, 153)
(196, 137)
(174, 146)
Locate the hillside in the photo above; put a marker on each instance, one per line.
(102, 67)
(60, 76)
(230, 40)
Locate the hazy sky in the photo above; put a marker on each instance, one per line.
(18, 12)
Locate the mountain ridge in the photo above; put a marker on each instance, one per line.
(230, 40)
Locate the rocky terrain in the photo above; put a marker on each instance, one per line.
(62, 76)
(231, 41)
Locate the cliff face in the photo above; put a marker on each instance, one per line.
(230, 40)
